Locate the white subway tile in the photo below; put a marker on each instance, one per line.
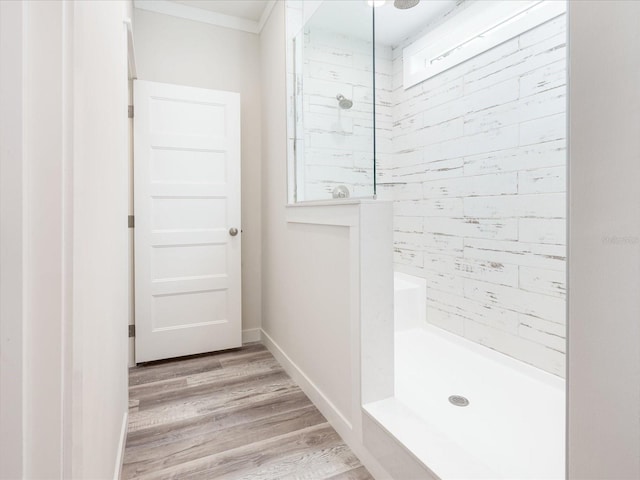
(408, 224)
(551, 257)
(544, 338)
(543, 180)
(492, 228)
(408, 240)
(442, 113)
(447, 321)
(492, 272)
(440, 283)
(322, 123)
(408, 257)
(542, 280)
(495, 94)
(441, 243)
(338, 175)
(521, 301)
(363, 159)
(551, 29)
(423, 136)
(496, 184)
(504, 50)
(520, 110)
(428, 171)
(328, 157)
(328, 89)
(552, 328)
(334, 56)
(339, 74)
(542, 79)
(429, 208)
(544, 205)
(517, 347)
(526, 59)
(408, 191)
(332, 140)
(383, 191)
(489, 315)
(539, 230)
(544, 129)
(519, 158)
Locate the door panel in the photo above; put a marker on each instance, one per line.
(187, 198)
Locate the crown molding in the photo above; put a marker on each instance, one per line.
(266, 14)
(206, 16)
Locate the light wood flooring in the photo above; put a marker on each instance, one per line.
(230, 415)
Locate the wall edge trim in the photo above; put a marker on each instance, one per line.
(124, 430)
(251, 335)
(205, 16)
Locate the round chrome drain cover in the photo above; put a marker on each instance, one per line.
(458, 400)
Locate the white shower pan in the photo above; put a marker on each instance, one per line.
(513, 426)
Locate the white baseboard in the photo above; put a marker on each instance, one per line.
(337, 420)
(251, 335)
(117, 472)
(326, 407)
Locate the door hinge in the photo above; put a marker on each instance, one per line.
(132, 331)
(131, 221)
(130, 111)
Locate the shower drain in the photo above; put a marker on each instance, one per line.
(458, 400)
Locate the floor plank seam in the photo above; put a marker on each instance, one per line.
(229, 415)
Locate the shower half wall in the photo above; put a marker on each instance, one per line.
(475, 166)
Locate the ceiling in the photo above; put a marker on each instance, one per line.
(247, 9)
(353, 18)
(394, 25)
(349, 17)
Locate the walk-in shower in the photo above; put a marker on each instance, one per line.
(469, 116)
(476, 168)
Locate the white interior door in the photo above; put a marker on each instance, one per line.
(187, 206)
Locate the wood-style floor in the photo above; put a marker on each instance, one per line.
(231, 415)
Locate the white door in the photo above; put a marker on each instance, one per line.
(187, 220)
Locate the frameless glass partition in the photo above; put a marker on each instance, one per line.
(331, 100)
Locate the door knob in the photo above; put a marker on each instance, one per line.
(233, 232)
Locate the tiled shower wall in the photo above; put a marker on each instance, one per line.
(477, 176)
(337, 146)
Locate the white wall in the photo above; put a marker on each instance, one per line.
(11, 240)
(174, 50)
(604, 241)
(100, 235)
(68, 198)
(46, 278)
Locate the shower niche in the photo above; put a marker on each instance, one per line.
(331, 94)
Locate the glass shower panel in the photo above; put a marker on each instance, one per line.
(333, 130)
